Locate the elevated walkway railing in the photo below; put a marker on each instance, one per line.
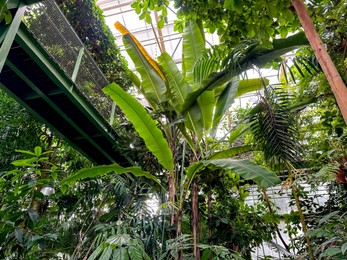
(52, 30)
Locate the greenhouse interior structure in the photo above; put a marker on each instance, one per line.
(173, 129)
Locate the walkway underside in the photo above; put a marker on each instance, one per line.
(35, 81)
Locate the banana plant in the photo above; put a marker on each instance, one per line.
(192, 103)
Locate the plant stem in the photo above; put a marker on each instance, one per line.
(195, 220)
(302, 220)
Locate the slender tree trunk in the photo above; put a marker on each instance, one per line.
(209, 210)
(337, 85)
(302, 220)
(172, 199)
(195, 220)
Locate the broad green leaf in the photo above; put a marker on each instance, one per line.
(233, 151)
(179, 88)
(106, 254)
(239, 131)
(38, 151)
(97, 171)
(206, 103)
(143, 123)
(194, 168)
(193, 47)
(121, 253)
(250, 85)
(332, 251)
(34, 216)
(258, 56)
(225, 100)
(247, 170)
(344, 248)
(25, 152)
(328, 217)
(153, 80)
(193, 120)
(24, 162)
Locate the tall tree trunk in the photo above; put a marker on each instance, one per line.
(302, 220)
(209, 211)
(195, 220)
(172, 199)
(337, 85)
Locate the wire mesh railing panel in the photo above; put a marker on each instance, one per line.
(48, 25)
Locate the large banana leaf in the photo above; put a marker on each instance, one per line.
(179, 89)
(258, 56)
(97, 171)
(178, 86)
(153, 84)
(247, 170)
(225, 100)
(250, 85)
(231, 152)
(206, 103)
(193, 47)
(193, 120)
(143, 123)
(240, 130)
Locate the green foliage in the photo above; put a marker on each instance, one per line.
(120, 246)
(18, 129)
(274, 128)
(88, 21)
(233, 20)
(24, 227)
(144, 125)
(98, 171)
(247, 170)
(5, 14)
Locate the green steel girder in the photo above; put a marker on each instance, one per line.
(56, 108)
(12, 4)
(27, 42)
(62, 86)
(10, 34)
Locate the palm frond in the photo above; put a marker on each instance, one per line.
(274, 128)
(299, 66)
(210, 61)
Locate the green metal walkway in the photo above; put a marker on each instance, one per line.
(67, 97)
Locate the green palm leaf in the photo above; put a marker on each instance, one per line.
(143, 123)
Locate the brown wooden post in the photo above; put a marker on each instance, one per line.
(337, 85)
